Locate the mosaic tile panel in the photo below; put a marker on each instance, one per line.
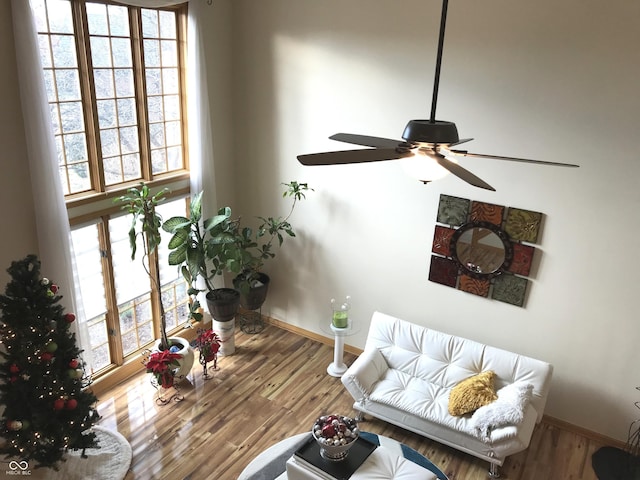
(510, 289)
(517, 224)
(442, 240)
(474, 285)
(443, 271)
(522, 259)
(486, 212)
(523, 225)
(453, 211)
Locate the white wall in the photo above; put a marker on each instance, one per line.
(549, 80)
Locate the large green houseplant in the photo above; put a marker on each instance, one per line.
(246, 256)
(197, 247)
(146, 223)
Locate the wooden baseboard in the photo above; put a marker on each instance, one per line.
(590, 434)
(357, 351)
(308, 334)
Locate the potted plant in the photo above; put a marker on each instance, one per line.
(208, 344)
(198, 248)
(163, 365)
(247, 254)
(206, 248)
(146, 223)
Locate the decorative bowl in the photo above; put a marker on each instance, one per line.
(335, 435)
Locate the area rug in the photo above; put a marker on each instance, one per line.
(109, 462)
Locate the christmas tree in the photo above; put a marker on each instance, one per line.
(47, 407)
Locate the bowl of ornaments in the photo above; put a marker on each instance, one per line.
(335, 435)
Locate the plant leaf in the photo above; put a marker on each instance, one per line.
(178, 256)
(175, 223)
(214, 221)
(195, 208)
(132, 240)
(179, 238)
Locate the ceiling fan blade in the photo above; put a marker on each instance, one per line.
(353, 156)
(462, 140)
(511, 159)
(366, 140)
(460, 172)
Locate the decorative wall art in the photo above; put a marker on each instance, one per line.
(479, 248)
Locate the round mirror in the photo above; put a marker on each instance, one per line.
(481, 249)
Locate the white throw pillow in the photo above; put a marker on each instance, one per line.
(508, 409)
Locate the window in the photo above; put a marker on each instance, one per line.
(114, 77)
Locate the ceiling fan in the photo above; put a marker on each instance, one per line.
(428, 142)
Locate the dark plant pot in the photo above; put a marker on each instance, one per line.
(223, 303)
(255, 297)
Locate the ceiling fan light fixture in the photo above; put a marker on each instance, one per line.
(423, 167)
(426, 131)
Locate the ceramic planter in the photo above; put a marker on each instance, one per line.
(186, 362)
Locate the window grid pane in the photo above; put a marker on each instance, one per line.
(136, 324)
(87, 257)
(113, 72)
(163, 99)
(100, 351)
(56, 38)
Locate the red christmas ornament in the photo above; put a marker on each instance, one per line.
(72, 403)
(58, 404)
(13, 379)
(53, 288)
(14, 368)
(328, 431)
(14, 425)
(74, 363)
(46, 357)
(70, 317)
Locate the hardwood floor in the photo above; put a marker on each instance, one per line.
(274, 386)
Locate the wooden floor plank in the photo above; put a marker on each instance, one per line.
(275, 386)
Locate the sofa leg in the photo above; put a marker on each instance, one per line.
(360, 417)
(494, 470)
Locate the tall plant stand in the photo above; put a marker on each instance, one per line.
(251, 321)
(338, 367)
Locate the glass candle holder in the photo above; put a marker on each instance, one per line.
(340, 317)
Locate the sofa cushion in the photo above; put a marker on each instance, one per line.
(472, 393)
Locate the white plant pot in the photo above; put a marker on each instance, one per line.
(226, 332)
(188, 356)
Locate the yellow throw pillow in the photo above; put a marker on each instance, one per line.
(472, 393)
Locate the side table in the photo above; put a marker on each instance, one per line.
(337, 367)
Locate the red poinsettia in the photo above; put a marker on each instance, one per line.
(208, 343)
(162, 365)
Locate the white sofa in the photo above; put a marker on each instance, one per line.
(405, 375)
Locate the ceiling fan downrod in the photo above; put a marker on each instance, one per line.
(436, 80)
(434, 131)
